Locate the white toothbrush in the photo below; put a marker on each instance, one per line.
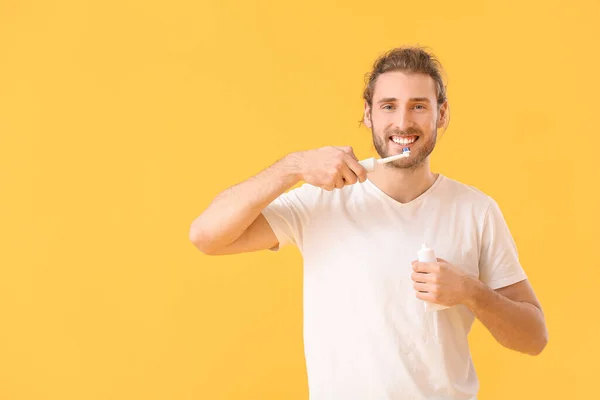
(371, 163)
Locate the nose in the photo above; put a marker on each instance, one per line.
(402, 120)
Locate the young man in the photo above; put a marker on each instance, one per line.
(367, 332)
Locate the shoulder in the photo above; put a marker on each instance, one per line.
(465, 192)
(469, 199)
(475, 205)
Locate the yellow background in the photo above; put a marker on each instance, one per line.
(120, 120)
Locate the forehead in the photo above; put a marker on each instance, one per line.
(403, 86)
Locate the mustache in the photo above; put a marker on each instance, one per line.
(409, 132)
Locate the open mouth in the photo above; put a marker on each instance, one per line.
(404, 141)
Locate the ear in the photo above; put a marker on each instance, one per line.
(367, 116)
(443, 115)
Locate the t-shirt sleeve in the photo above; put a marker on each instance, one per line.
(288, 215)
(499, 263)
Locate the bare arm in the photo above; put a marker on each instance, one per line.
(512, 315)
(233, 222)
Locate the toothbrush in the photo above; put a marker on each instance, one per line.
(371, 163)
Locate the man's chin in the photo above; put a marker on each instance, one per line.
(411, 162)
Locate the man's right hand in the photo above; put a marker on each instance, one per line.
(329, 167)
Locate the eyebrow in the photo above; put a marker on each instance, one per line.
(393, 99)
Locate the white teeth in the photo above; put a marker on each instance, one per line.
(400, 140)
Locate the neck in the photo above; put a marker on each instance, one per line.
(403, 184)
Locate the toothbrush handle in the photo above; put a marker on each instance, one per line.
(369, 164)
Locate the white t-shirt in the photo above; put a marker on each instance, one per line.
(366, 335)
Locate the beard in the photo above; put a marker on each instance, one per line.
(419, 152)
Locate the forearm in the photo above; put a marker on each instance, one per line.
(234, 209)
(516, 325)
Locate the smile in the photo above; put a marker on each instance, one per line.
(404, 140)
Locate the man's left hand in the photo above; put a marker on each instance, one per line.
(441, 282)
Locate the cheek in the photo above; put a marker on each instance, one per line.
(426, 123)
(380, 122)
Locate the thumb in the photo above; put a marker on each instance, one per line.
(348, 150)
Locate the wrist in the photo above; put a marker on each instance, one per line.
(473, 290)
(292, 167)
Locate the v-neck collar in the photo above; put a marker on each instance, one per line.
(417, 199)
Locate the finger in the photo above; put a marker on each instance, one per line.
(423, 277)
(358, 170)
(348, 150)
(348, 175)
(426, 296)
(339, 181)
(327, 184)
(424, 267)
(422, 287)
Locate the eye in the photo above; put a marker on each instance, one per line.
(420, 107)
(387, 107)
